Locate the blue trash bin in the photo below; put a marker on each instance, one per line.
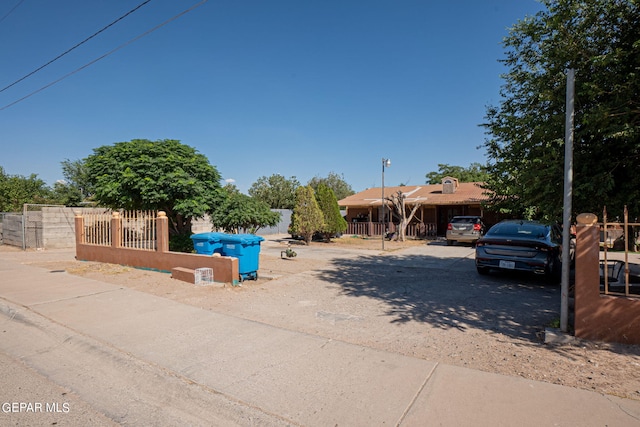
(245, 247)
(207, 243)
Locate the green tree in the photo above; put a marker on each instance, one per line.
(76, 187)
(525, 144)
(162, 175)
(66, 194)
(239, 212)
(335, 182)
(77, 177)
(333, 221)
(16, 190)
(307, 216)
(474, 173)
(276, 191)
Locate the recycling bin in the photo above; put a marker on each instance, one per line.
(207, 243)
(245, 247)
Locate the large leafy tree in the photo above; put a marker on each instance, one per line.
(162, 175)
(600, 40)
(239, 212)
(276, 191)
(307, 216)
(16, 190)
(474, 173)
(335, 182)
(334, 223)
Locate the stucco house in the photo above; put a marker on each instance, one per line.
(438, 203)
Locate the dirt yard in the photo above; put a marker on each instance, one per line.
(297, 294)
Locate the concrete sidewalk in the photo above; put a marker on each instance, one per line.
(144, 360)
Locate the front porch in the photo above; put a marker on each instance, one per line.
(429, 221)
(414, 230)
(368, 211)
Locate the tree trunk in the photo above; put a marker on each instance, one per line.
(398, 202)
(178, 224)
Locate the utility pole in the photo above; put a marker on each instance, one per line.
(568, 191)
(387, 163)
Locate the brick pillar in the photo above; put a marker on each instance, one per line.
(116, 230)
(587, 286)
(162, 232)
(79, 227)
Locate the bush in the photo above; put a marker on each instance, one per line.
(181, 243)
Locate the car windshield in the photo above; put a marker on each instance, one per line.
(465, 220)
(518, 229)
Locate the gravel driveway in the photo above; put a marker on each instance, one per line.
(433, 286)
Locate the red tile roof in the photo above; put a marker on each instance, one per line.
(428, 194)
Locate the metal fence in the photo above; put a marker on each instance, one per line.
(137, 229)
(97, 228)
(619, 277)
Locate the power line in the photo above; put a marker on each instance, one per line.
(11, 11)
(77, 45)
(105, 55)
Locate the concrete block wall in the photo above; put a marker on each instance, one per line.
(51, 228)
(33, 230)
(12, 230)
(54, 228)
(201, 225)
(58, 229)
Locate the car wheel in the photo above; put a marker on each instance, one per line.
(449, 242)
(482, 270)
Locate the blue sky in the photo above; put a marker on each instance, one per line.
(297, 88)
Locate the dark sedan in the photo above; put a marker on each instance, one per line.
(521, 245)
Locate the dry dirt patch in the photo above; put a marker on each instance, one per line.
(291, 294)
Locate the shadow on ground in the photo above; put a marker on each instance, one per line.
(448, 293)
